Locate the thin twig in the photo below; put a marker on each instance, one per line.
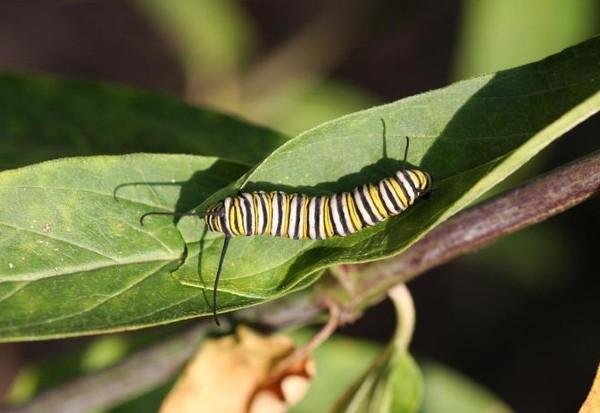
(301, 354)
(326, 331)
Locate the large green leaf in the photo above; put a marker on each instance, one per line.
(75, 259)
(469, 136)
(44, 118)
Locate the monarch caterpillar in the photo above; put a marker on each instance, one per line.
(299, 216)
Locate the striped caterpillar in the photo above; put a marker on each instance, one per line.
(298, 216)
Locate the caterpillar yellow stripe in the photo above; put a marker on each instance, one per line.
(300, 216)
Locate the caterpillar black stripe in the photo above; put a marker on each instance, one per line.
(298, 216)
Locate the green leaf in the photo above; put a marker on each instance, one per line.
(44, 118)
(394, 383)
(468, 136)
(75, 260)
(447, 391)
(393, 386)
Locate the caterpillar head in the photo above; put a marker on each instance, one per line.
(420, 181)
(425, 181)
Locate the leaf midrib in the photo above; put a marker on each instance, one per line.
(41, 275)
(101, 302)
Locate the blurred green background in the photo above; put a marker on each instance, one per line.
(520, 318)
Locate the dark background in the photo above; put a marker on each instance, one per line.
(521, 317)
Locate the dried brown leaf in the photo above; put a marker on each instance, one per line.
(242, 373)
